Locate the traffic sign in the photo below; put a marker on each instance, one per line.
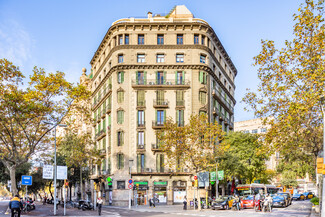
(130, 186)
(213, 176)
(220, 175)
(47, 172)
(26, 180)
(62, 172)
(130, 181)
(195, 177)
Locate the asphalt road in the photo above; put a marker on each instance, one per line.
(297, 209)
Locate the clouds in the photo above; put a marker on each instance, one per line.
(15, 42)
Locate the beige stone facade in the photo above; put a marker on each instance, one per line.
(144, 71)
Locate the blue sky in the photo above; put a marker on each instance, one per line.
(63, 35)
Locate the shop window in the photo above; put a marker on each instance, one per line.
(120, 184)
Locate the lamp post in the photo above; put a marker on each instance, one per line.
(60, 125)
(322, 102)
(130, 190)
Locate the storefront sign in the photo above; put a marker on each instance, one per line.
(160, 183)
(141, 183)
(179, 196)
(213, 176)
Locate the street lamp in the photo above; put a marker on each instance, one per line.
(130, 190)
(60, 125)
(322, 103)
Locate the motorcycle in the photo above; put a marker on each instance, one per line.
(258, 205)
(31, 204)
(234, 206)
(266, 206)
(87, 206)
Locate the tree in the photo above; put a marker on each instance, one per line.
(291, 84)
(244, 158)
(194, 146)
(23, 110)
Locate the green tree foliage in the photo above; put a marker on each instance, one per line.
(23, 110)
(243, 157)
(194, 146)
(291, 84)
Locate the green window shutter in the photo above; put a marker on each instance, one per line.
(183, 81)
(182, 116)
(104, 143)
(144, 160)
(177, 116)
(122, 138)
(162, 162)
(156, 115)
(122, 161)
(145, 77)
(176, 77)
(104, 124)
(122, 77)
(157, 77)
(201, 77)
(165, 77)
(109, 120)
(158, 162)
(122, 117)
(136, 77)
(138, 163)
(164, 116)
(118, 161)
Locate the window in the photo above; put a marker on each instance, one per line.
(196, 39)
(140, 58)
(140, 39)
(120, 96)
(120, 117)
(160, 163)
(120, 163)
(246, 131)
(263, 130)
(120, 184)
(180, 98)
(140, 118)
(202, 97)
(126, 39)
(180, 77)
(160, 39)
(141, 77)
(120, 138)
(120, 77)
(160, 58)
(103, 165)
(160, 117)
(214, 68)
(120, 58)
(160, 77)
(203, 77)
(140, 139)
(160, 97)
(120, 39)
(179, 58)
(179, 38)
(203, 40)
(254, 131)
(202, 58)
(141, 98)
(140, 163)
(180, 118)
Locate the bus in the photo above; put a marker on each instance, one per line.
(255, 188)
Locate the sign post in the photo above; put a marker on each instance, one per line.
(130, 191)
(26, 180)
(195, 186)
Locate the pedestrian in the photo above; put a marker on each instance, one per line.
(153, 202)
(150, 202)
(100, 203)
(185, 203)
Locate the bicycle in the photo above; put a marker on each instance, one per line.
(15, 212)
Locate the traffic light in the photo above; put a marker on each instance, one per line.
(137, 187)
(66, 184)
(95, 186)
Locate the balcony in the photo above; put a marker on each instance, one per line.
(155, 147)
(103, 113)
(180, 103)
(141, 124)
(101, 96)
(165, 84)
(141, 103)
(231, 125)
(160, 103)
(103, 152)
(141, 147)
(100, 134)
(158, 124)
(108, 108)
(94, 122)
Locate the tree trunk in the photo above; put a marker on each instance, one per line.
(50, 190)
(12, 171)
(81, 190)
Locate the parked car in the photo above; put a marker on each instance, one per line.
(308, 195)
(221, 203)
(298, 196)
(279, 201)
(287, 196)
(248, 201)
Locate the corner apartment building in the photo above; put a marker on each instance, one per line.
(145, 70)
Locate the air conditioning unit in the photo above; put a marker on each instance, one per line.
(186, 170)
(151, 83)
(169, 83)
(140, 146)
(164, 103)
(148, 170)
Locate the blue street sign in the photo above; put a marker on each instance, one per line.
(26, 180)
(130, 181)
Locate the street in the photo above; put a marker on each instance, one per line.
(298, 208)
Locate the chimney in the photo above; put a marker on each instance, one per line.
(149, 15)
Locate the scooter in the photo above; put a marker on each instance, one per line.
(266, 207)
(234, 206)
(258, 205)
(87, 206)
(31, 204)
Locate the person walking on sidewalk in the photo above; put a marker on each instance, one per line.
(185, 203)
(100, 203)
